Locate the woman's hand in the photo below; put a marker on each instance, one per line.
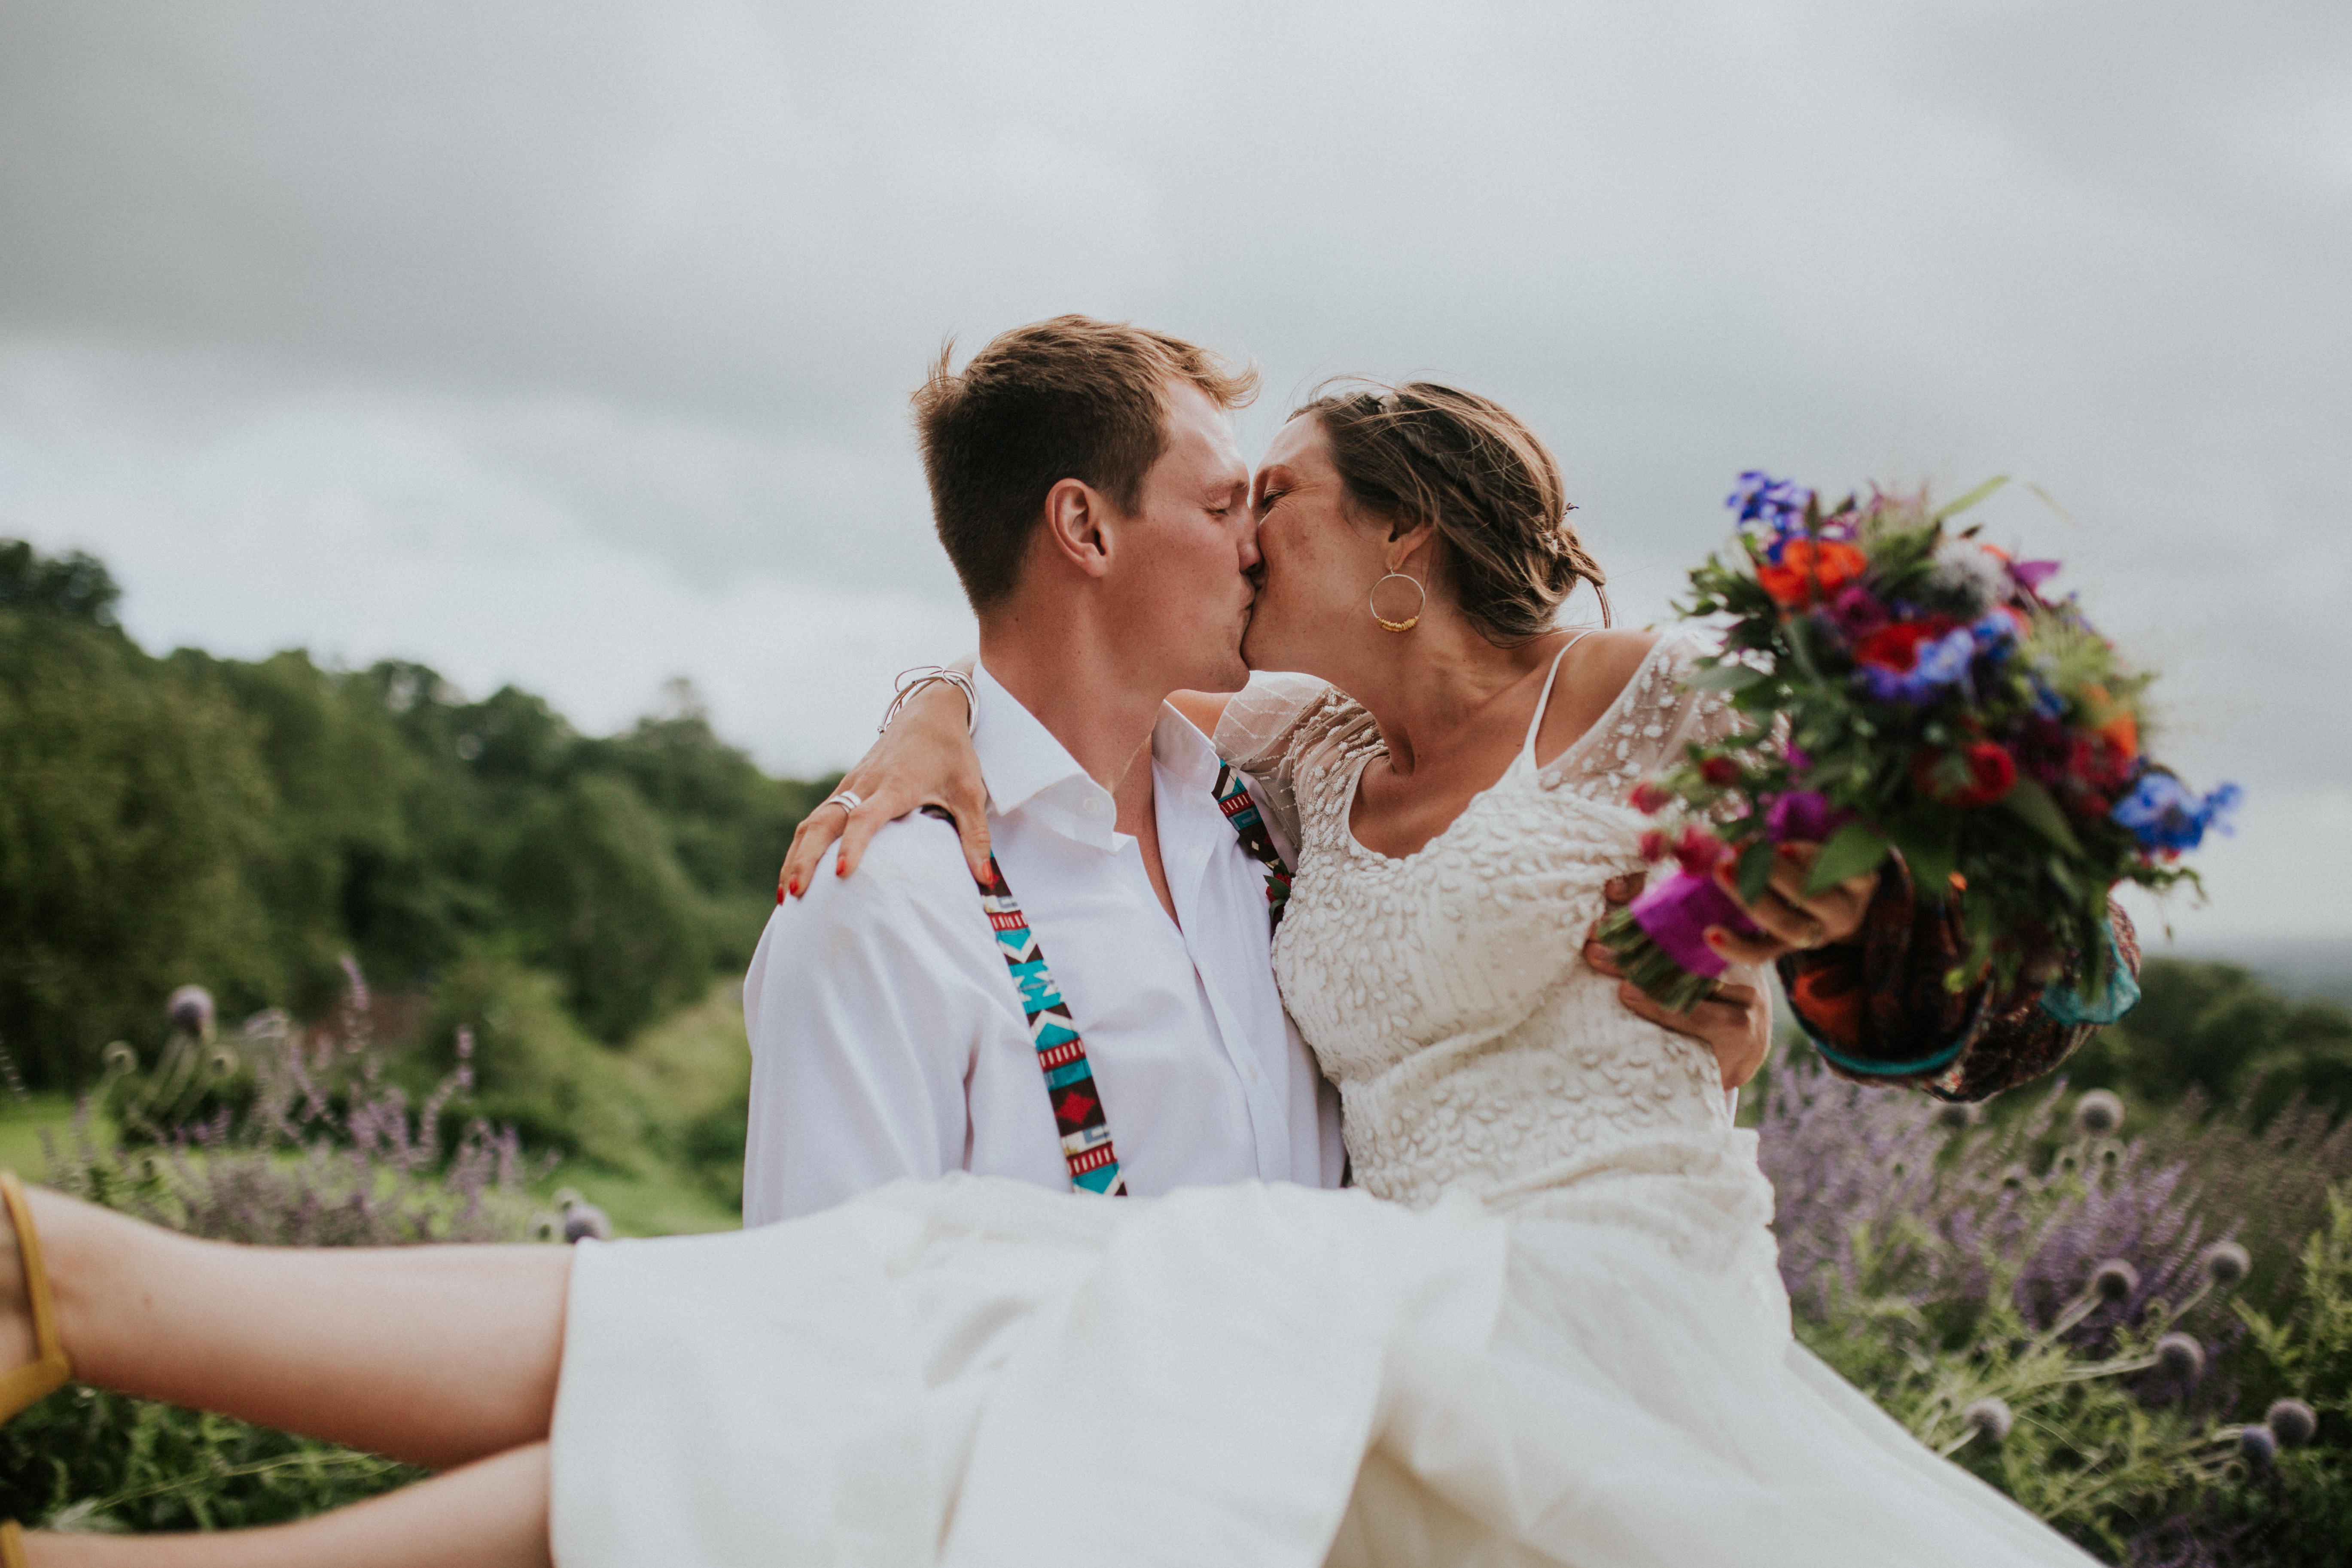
(1790, 918)
(1735, 1022)
(924, 759)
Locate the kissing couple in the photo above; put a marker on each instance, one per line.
(1205, 1134)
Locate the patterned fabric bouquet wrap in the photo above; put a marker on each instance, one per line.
(1909, 687)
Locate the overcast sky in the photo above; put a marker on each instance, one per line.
(568, 344)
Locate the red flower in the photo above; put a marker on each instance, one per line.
(1650, 797)
(1653, 844)
(1697, 850)
(1992, 772)
(1720, 772)
(1810, 569)
(1896, 646)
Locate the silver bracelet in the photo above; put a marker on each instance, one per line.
(911, 681)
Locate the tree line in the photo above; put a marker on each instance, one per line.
(246, 823)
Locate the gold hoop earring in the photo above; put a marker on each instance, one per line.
(1411, 621)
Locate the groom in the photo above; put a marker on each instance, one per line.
(1087, 488)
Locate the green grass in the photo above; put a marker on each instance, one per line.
(22, 1122)
(693, 1071)
(686, 1080)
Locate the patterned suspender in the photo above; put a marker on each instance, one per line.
(1079, 1116)
(1234, 799)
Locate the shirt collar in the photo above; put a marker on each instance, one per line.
(1029, 771)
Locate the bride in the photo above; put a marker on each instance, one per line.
(1546, 1327)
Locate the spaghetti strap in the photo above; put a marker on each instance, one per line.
(1527, 751)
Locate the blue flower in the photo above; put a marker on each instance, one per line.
(1778, 504)
(1760, 498)
(2165, 814)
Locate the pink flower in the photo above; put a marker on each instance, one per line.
(1651, 797)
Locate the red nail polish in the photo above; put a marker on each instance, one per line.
(779, 895)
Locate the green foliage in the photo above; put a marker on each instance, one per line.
(535, 1069)
(134, 832)
(75, 586)
(324, 1152)
(2216, 1030)
(87, 1459)
(245, 824)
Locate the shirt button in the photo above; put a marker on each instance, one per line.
(1092, 806)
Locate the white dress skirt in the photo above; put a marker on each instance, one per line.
(1547, 1327)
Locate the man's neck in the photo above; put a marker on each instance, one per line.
(1101, 713)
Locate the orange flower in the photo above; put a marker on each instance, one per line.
(2120, 727)
(1811, 569)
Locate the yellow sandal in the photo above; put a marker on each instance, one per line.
(36, 1378)
(12, 1538)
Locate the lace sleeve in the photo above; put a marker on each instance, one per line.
(1646, 728)
(1260, 734)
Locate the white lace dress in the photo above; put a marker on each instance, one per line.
(1561, 1339)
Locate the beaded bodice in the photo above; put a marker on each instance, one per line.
(1444, 992)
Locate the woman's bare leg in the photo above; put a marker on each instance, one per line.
(432, 1354)
(490, 1514)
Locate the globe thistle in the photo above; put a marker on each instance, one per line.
(2291, 1422)
(1956, 1114)
(2226, 1263)
(2114, 1279)
(1989, 1418)
(2180, 1355)
(2258, 1443)
(545, 1227)
(582, 1221)
(2098, 1113)
(191, 1011)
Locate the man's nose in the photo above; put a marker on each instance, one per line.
(1249, 539)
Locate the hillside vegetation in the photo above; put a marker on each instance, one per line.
(246, 825)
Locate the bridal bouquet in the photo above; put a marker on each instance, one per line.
(1908, 687)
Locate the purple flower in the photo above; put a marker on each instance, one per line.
(1803, 815)
(2031, 575)
(1857, 611)
(1760, 498)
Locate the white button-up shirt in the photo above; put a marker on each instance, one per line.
(887, 1037)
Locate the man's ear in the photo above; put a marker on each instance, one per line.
(1078, 524)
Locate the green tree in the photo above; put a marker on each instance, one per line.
(134, 821)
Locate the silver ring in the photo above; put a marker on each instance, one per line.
(849, 800)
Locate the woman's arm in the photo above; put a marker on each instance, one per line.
(925, 758)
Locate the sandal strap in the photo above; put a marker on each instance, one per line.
(50, 1370)
(12, 1544)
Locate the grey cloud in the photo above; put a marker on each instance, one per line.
(679, 265)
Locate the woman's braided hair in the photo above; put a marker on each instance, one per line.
(1422, 452)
